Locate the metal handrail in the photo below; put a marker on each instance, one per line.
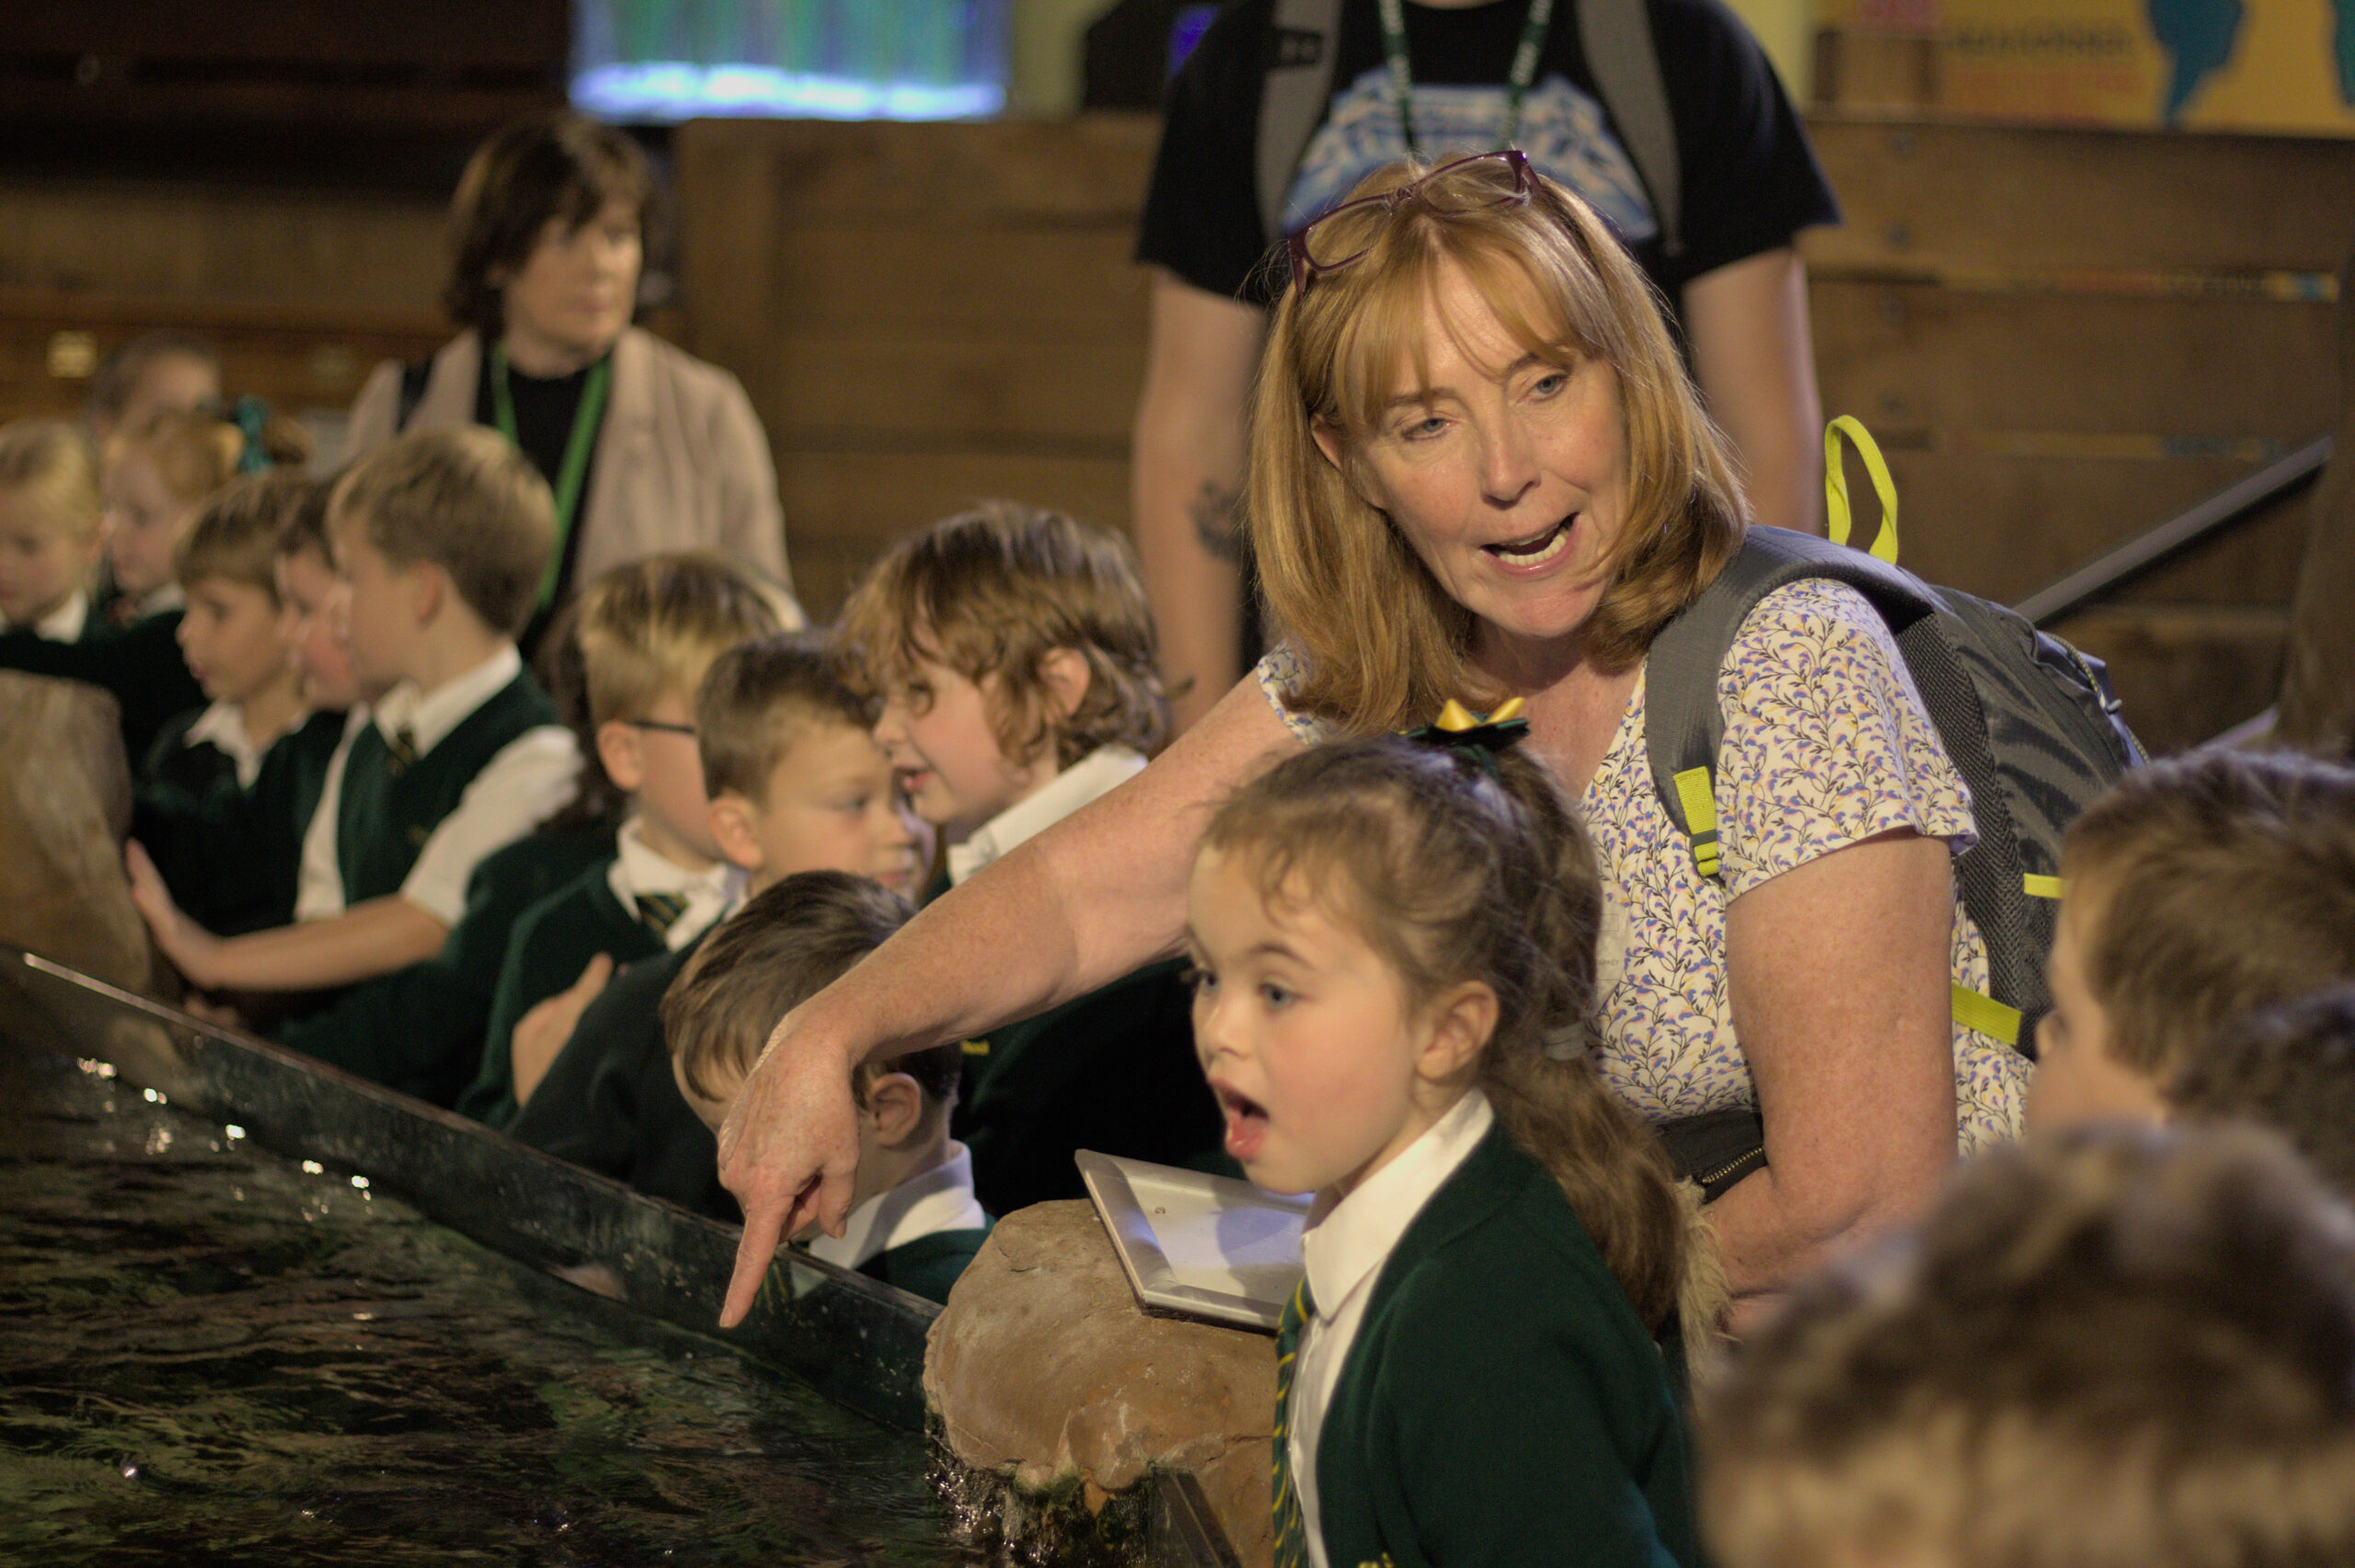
(2218, 513)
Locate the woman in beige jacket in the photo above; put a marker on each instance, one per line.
(647, 448)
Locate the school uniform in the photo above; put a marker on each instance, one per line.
(140, 664)
(1113, 1070)
(918, 1236)
(67, 622)
(219, 817)
(1471, 1385)
(420, 1028)
(428, 783)
(609, 1103)
(633, 905)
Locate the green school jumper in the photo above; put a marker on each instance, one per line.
(551, 945)
(1113, 1070)
(420, 1028)
(1502, 1403)
(930, 1265)
(388, 810)
(232, 855)
(609, 1104)
(141, 664)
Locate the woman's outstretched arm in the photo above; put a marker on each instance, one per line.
(1076, 908)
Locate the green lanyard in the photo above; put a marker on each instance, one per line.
(577, 447)
(1533, 28)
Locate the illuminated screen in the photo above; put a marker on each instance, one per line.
(642, 61)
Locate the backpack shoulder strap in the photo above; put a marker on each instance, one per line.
(1617, 38)
(1305, 34)
(1682, 725)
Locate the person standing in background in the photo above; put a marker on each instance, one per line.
(1434, 79)
(646, 448)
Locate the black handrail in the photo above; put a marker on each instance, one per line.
(2218, 513)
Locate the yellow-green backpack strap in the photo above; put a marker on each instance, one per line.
(1698, 796)
(1836, 485)
(1974, 1010)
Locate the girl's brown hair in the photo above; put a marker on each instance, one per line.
(991, 593)
(195, 451)
(1453, 876)
(1383, 641)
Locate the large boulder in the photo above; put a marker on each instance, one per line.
(64, 807)
(1043, 1369)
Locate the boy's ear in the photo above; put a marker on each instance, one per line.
(1461, 1022)
(427, 586)
(617, 750)
(1064, 673)
(732, 830)
(896, 1103)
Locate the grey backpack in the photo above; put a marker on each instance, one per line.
(2030, 723)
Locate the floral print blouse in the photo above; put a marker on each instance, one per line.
(1826, 744)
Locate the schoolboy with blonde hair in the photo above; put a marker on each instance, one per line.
(1012, 654)
(646, 633)
(439, 540)
(914, 1221)
(796, 784)
(2197, 890)
(49, 538)
(2119, 1347)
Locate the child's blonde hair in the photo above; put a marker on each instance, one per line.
(754, 703)
(2115, 1347)
(790, 942)
(195, 451)
(991, 593)
(652, 626)
(466, 501)
(2290, 1068)
(235, 535)
(2219, 882)
(49, 461)
(1452, 873)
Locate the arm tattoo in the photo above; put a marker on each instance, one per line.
(1217, 514)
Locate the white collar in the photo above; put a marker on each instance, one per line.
(1097, 773)
(1344, 1246)
(430, 716)
(171, 596)
(223, 725)
(938, 1200)
(638, 868)
(64, 624)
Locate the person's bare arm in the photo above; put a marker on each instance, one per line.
(1187, 461)
(1755, 360)
(366, 940)
(1079, 905)
(1849, 1040)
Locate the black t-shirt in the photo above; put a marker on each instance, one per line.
(544, 411)
(1750, 178)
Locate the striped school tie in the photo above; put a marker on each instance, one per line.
(661, 912)
(403, 748)
(1291, 1533)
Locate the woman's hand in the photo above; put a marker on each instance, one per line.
(788, 1150)
(188, 945)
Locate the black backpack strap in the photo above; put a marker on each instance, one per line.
(1304, 36)
(1682, 725)
(1617, 38)
(415, 373)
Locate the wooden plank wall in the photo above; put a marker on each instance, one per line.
(303, 289)
(2061, 337)
(923, 314)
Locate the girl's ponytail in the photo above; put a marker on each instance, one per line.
(1539, 1072)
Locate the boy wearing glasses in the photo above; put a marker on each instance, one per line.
(645, 634)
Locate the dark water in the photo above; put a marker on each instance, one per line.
(209, 1355)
